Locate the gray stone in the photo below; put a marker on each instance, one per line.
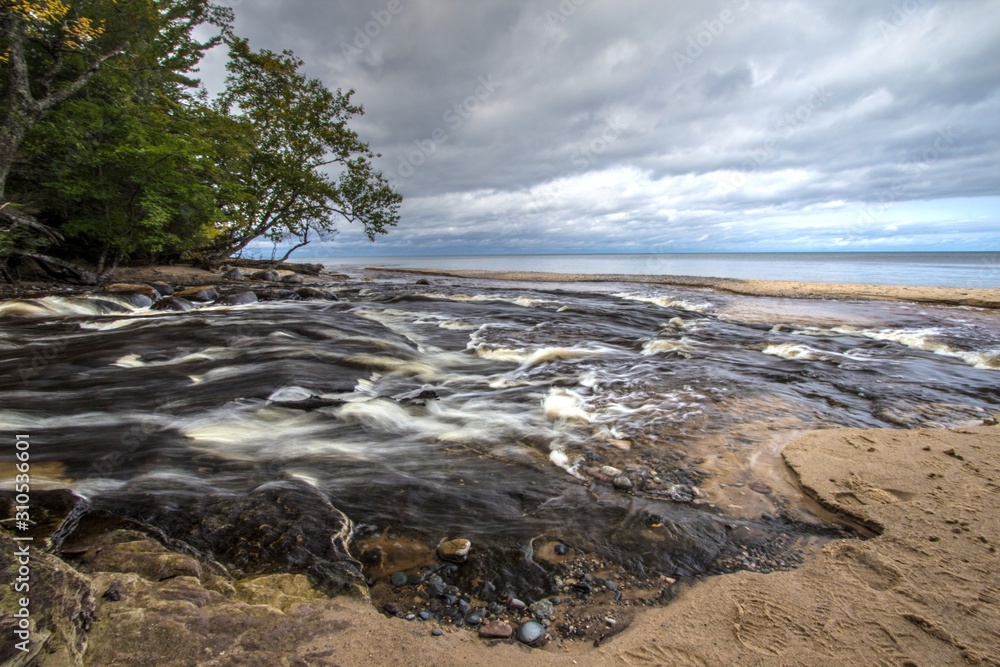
(270, 275)
(234, 274)
(316, 293)
(530, 632)
(204, 293)
(174, 303)
(623, 482)
(292, 279)
(541, 609)
(239, 299)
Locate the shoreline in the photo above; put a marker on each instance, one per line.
(920, 592)
(977, 297)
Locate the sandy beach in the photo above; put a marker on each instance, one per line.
(924, 590)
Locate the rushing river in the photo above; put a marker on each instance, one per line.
(487, 411)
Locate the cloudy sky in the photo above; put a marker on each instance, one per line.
(580, 126)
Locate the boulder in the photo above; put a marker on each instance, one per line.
(163, 288)
(62, 609)
(234, 274)
(239, 299)
(292, 279)
(174, 303)
(134, 299)
(277, 295)
(316, 293)
(270, 276)
(119, 289)
(203, 294)
(285, 527)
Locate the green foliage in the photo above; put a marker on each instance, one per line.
(137, 163)
(306, 168)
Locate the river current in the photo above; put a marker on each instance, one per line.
(497, 412)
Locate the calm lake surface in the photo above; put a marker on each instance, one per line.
(938, 269)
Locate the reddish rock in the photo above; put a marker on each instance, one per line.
(496, 630)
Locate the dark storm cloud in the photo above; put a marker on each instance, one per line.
(587, 125)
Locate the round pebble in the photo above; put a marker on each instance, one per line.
(415, 579)
(424, 615)
(437, 632)
(623, 482)
(398, 579)
(610, 585)
(530, 632)
(555, 600)
(411, 617)
(473, 619)
(561, 549)
(464, 606)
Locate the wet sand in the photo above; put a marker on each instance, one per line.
(956, 296)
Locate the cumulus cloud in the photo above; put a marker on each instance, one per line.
(724, 125)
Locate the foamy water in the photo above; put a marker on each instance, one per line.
(475, 410)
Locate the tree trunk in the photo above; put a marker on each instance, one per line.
(60, 269)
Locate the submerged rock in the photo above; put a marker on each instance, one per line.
(135, 299)
(174, 303)
(455, 551)
(279, 527)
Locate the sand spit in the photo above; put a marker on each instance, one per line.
(956, 296)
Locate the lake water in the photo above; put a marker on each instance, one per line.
(939, 269)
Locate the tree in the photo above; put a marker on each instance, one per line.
(70, 70)
(304, 168)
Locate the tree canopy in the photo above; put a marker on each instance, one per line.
(110, 151)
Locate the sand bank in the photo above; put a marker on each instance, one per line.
(957, 296)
